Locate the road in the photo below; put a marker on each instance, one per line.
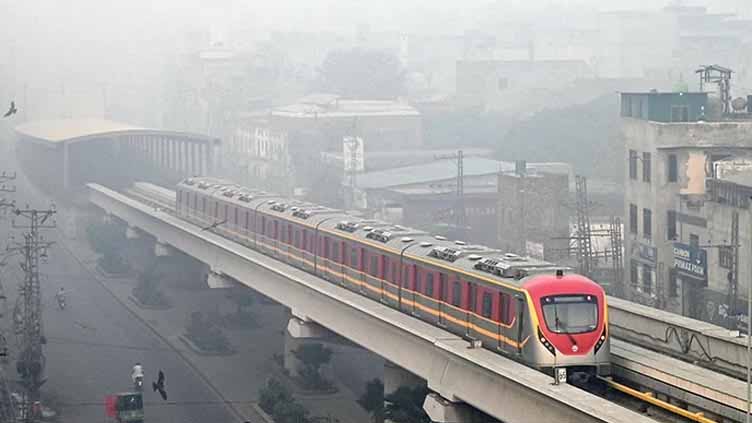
(95, 341)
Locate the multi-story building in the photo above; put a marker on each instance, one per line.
(533, 217)
(672, 147)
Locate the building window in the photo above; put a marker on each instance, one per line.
(646, 167)
(632, 219)
(487, 305)
(647, 280)
(632, 164)
(694, 241)
(673, 284)
(671, 225)
(673, 168)
(633, 278)
(647, 228)
(679, 113)
(726, 257)
(626, 105)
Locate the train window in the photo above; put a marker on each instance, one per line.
(195, 201)
(472, 296)
(443, 287)
(429, 284)
(327, 254)
(404, 281)
(487, 305)
(247, 219)
(236, 216)
(203, 206)
(275, 234)
(227, 212)
(503, 308)
(386, 268)
(180, 196)
(374, 266)
(297, 239)
(456, 293)
(395, 273)
(216, 209)
(418, 281)
(354, 257)
(263, 225)
(305, 240)
(289, 234)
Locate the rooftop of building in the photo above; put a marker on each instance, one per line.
(442, 170)
(331, 105)
(58, 130)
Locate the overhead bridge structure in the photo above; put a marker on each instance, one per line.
(455, 372)
(63, 154)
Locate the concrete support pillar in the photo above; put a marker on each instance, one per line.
(217, 279)
(162, 250)
(202, 158)
(131, 233)
(299, 332)
(441, 410)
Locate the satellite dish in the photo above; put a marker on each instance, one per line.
(738, 104)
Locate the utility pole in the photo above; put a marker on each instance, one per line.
(584, 231)
(7, 407)
(459, 204)
(30, 362)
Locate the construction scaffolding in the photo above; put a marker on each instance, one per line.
(584, 232)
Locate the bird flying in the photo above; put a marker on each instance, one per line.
(12, 110)
(159, 385)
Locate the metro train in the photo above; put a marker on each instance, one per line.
(529, 310)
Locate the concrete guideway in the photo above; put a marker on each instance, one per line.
(684, 338)
(717, 395)
(497, 386)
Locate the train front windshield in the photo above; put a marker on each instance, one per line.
(570, 313)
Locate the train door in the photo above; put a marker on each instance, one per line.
(416, 287)
(520, 321)
(362, 270)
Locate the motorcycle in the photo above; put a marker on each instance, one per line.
(61, 302)
(138, 383)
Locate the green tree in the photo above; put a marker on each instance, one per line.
(362, 73)
(289, 412)
(372, 400)
(312, 357)
(405, 405)
(273, 392)
(243, 299)
(108, 240)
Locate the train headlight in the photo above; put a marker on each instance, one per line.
(601, 340)
(546, 343)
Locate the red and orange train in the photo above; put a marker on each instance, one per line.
(530, 310)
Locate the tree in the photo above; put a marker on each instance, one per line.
(373, 400)
(405, 405)
(108, 240)
(362, 73)
(312, 357)
(272, 393)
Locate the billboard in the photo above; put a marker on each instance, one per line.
(690, 262)
(353, 154)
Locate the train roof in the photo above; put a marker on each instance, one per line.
(477, 260)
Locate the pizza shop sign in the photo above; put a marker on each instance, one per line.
(690, 261)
